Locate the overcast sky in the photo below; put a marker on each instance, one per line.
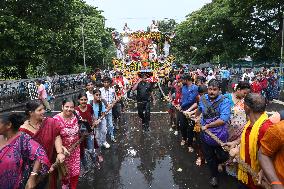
(138, 14)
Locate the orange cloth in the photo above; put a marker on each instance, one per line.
(272, 145)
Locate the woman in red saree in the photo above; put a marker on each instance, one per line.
(21, 158)
(46, 132)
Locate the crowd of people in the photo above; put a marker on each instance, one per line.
(201, 105)
(35, 149)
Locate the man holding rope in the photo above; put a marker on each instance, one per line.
(271, 155)
(189, 93)
(215, 109)
(247, 147)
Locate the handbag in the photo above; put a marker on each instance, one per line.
(84, 126)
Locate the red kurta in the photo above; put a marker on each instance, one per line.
(262, 131)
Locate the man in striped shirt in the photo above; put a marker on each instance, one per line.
(108, 94)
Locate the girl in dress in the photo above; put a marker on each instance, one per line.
(69, 131)
(85, 111)
(99, 109)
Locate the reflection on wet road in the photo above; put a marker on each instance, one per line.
(150, 160)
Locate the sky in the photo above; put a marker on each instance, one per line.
(139, 14)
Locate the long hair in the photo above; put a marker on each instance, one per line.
(32, 106)
(15, 119)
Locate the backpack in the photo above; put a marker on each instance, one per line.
(211, 110)
(210, 115)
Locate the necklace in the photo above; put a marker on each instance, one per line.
(34, 127)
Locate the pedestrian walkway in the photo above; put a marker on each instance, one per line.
(150, 160)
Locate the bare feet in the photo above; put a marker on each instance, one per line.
(190, 149)
(198, 161)
(100, 158)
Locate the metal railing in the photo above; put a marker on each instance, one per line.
(14, 93)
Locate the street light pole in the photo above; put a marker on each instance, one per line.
(83, 44)
(282, 39)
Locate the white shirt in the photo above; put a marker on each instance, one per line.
(209, 77)
(90, 97)
(251, 75)
(108, 95)
(245, 75)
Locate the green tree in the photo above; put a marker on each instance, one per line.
(48, 34)
(230, 29)
(167, 26)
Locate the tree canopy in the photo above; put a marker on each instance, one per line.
(230, 29)
(45, 37)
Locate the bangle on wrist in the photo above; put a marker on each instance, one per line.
(34, 173)
(276, 183)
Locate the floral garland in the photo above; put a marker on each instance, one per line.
(157, 36)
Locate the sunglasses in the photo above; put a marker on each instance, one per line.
(83, 99)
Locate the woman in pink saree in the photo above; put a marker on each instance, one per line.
(21, 158)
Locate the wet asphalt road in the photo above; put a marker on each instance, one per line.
(150, 160)
(142, 160)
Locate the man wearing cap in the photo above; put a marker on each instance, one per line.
(144, 95)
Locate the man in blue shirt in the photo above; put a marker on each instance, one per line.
(225, 77)
(215, 109)
(188, 98)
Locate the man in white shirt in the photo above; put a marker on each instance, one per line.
(108, 94)
(210, 76)
(251, 74)
(246, 76)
